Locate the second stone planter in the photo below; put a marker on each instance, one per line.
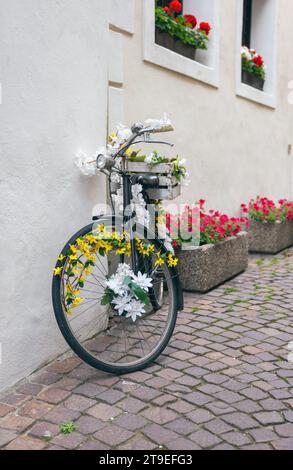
(270, 237)
(208, 266)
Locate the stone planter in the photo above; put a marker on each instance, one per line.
(208, 266)
(270, 237)
(253, 80)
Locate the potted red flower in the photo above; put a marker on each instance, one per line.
(211, 247)
(271, 225)
(253, 68)
(178, 32)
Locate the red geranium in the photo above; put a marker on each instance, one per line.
(168, 11)
(191, 20)
(175, 6)
(265, 210)
(258, 60)
(205, 27)
(194, 223)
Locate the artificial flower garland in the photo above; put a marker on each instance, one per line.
(80, 260)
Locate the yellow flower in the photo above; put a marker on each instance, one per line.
(121, 251)
(159, 262)
(88, 271)
(77, 302)
(128, 249)
(172, 262)
(73, 249)
(101, 228)
(58, 271)
(61, 258)
(91, 239)
(91, 257)
(69, 312)
(73, 257)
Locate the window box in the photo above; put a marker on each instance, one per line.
(252, 80)
(208, 266)
(164, 39)
(176, 45)
(184, 49)
(270, 237)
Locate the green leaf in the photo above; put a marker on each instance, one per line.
(139, 293)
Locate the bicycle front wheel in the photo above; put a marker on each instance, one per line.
(108, 341)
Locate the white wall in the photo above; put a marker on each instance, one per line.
(53, 71)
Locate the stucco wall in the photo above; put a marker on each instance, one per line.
(53, 71)
(236, 148)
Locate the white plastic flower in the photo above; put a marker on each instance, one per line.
(123, 133)
(115, 283)
(87, 165)
(143, 281)
(182, 162)
(124, 270)
(121, 303)
(149, 159)
(158, 123)
(135, 309)
(246, 53)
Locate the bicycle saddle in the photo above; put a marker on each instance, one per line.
(147, 180)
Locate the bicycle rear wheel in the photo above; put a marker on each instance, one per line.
(96, 333)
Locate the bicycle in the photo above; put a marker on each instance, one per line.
(105, 333)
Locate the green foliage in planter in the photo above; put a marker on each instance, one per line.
(250, 67)
(166, 23)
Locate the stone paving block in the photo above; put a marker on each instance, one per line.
(5, 409)
(159, 415)
(138, 443)
(54, 395)
(69, 441)
(131, 422)
(93, 444)
(182, 444)
(182, 426)
(240, 421)
(60, 414)
(104, 412)
(35, 409)
(204, 439)
(89, 425)
(6, 437)
(26, 443)
(269, 417)
(79, 403)
(43, 429)
(16, 423)
(113, 435)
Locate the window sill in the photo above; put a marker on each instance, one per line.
(253, 94)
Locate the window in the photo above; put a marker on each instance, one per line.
(257, 25)
(247, 18)
(204, 65)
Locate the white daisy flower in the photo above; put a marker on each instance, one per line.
(143, 281)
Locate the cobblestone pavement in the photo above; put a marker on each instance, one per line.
(224, 382)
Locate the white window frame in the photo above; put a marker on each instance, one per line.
(245, 91)
(168, 59)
